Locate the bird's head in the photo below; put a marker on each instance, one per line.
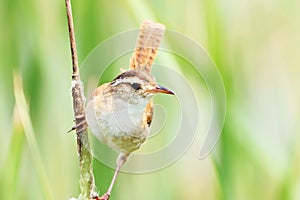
(136, 86)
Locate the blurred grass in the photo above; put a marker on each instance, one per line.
(255, 45)
(22, 112)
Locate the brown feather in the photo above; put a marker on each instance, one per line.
(147, 44)
(148, 114)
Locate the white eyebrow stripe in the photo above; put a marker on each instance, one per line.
(130, 80)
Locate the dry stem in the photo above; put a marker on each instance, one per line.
(84, 151)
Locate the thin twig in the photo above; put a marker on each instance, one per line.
(72, 40)
(84, 152)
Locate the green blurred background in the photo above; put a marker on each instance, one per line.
(256, 46)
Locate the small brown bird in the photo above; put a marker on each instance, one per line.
(120, 112)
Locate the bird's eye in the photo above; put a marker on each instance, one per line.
(136, 86)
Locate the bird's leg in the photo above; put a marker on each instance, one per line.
(120, 162)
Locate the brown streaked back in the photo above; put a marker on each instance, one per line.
(147, 44)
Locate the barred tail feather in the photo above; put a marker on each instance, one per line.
(148, 41)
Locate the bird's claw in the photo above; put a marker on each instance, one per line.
(103, 197)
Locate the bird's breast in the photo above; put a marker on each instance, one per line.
(117, 122)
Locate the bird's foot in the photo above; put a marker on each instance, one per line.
(104, 197)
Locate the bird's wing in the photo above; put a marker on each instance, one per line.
(148, 114)
(147, 44)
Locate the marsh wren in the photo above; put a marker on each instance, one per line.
(120, 112)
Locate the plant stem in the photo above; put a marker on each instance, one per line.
(84, 151)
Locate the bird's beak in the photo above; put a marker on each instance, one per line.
(160, 89)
